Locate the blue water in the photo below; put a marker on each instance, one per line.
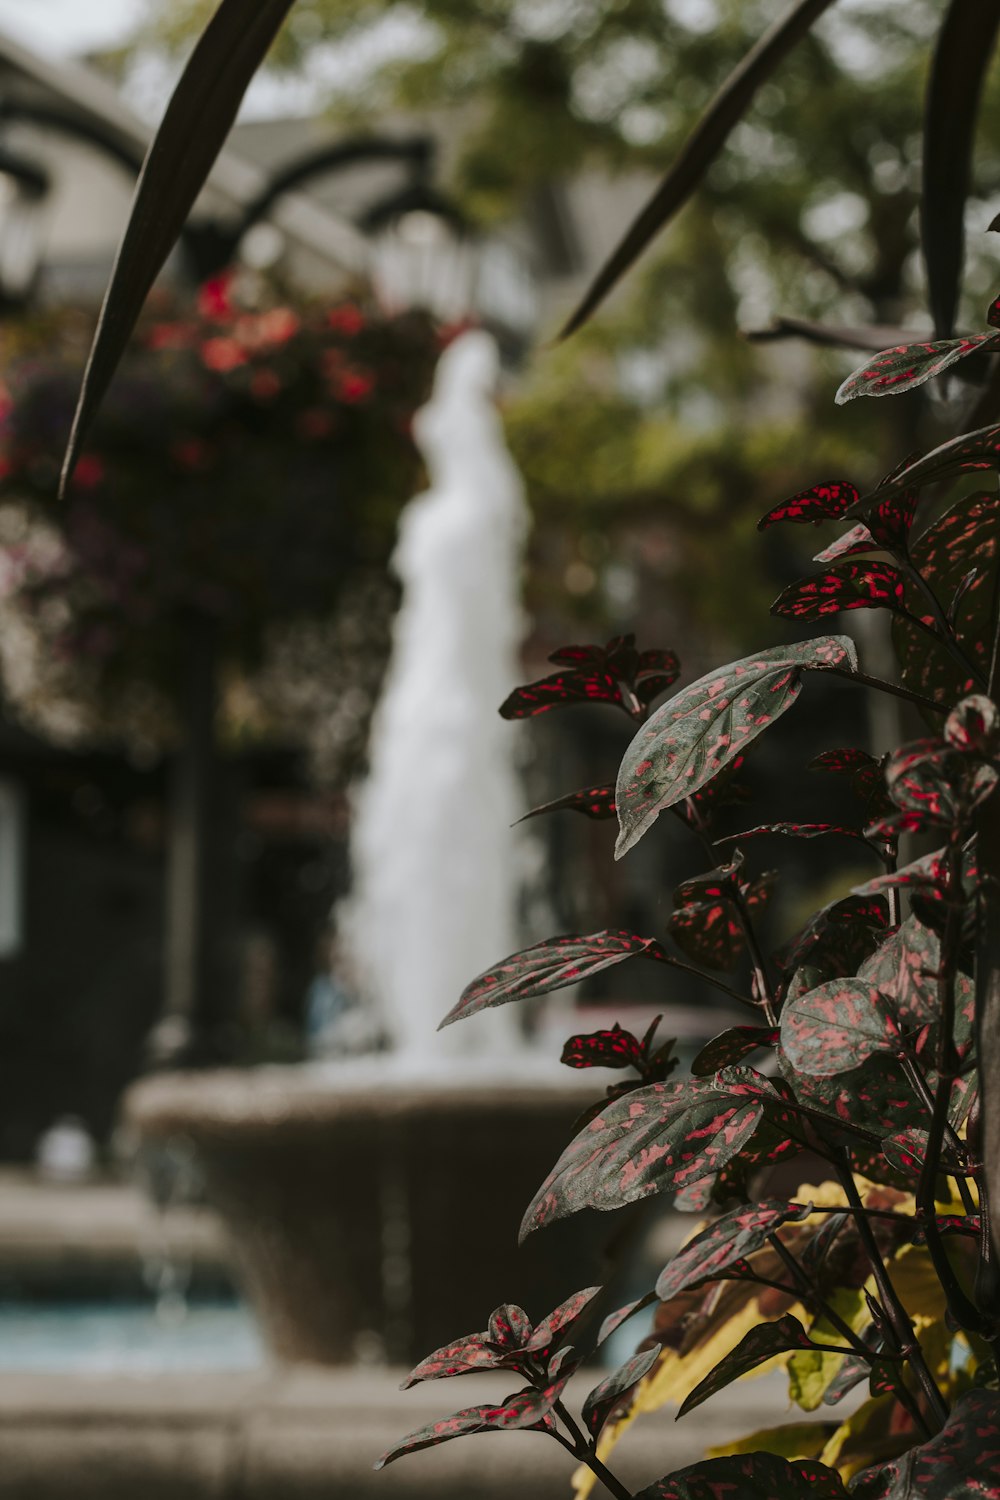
(127, 1338)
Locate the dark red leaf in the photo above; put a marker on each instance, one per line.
(858, 539)
(822, 502)
(892, 518)
(749, 1476)
(197, 121)
(731, 1046)
(847, 585)
(559, 1322)
(612, 1048)
(792, 831)
(602, 1400)
(760, 1344)
(969, 1225)
(705, 726)
(710, 932)
(909, 365)
(906, 1150)
(593, 801)
(615, 673)
(961, 1463)
(654, 1140)
(967, 453)
(509, 1327)
(835, 1027)
(849, 760)
(585, 685)
(550, 965)
(838, 938)
(730, 1239)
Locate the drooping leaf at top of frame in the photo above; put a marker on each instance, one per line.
(963, 50)
(549, 965)
(835, 1027)
(749, 1476)
(821, 502)
(655, 1139)
(871, 584)
(602, 1400)
(700, 150)
(906, 366)
(703, 727)
(197, 121)
(597, 802)
(760, 1344)
(962, 1462)
(729, 1239)
(960, 541)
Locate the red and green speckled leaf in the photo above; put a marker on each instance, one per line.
(710, 932)
(560, 1321)
(760, 1344)
(549, 966)
(892, 519)
(611, 1048)
(731, 1046)
(528, 1409)
(602, 1400)
(847, 585)
(653, 1140)
(904, 967)
(962, 541)
(792, 831)
(961, 1463)
(907, 1149)
(729, 1240)
(847, 761)
(967, 1224)
(909, 365)
(459, 1358)
(969, 453)
(833, 1028)
(616, 673)
(596, 802)
(919, 778)
(621, 1315)
(823, 502)
(705, 726)
(858, 539)
(509, 1327)
(972, 726)
(722, 791)
(838, 938)
(749, 1476)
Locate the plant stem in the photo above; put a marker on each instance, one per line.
(890, 687)
(899, 1318)
(720, 984)
(764, 989)
(584, 1451)
(814, 1299)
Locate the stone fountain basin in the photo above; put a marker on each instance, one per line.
(372, 1210)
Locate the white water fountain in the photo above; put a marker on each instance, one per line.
(374, 1203)
(433, 854)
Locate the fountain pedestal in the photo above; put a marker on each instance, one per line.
(391, 1209)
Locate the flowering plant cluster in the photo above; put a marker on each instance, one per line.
(246, 464)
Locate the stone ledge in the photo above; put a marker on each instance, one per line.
(305, 1433)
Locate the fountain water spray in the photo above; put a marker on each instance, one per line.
(432, 851)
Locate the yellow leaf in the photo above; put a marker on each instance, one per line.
(793, 1440)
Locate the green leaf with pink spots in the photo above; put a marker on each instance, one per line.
(871, 584)
(730, 1239)
(597, 802)
(749, 1476)
(760, 1344)
(909, 365)
(705, 726)
(835, 1027)
(655, 1139)
(602, 1400)
(962, 1462)
(549, 966)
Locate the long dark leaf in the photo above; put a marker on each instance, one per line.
(198, 119)
(700, 150)
(962, 55)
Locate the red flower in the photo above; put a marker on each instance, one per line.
(222, 354)
(213, 296)
(355, 387)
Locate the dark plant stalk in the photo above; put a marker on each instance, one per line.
(764, 988)
(815, 1301)
(584, 1451)
(962, 1308)
(953, 1140)
(896, 691)
(899, 1318)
